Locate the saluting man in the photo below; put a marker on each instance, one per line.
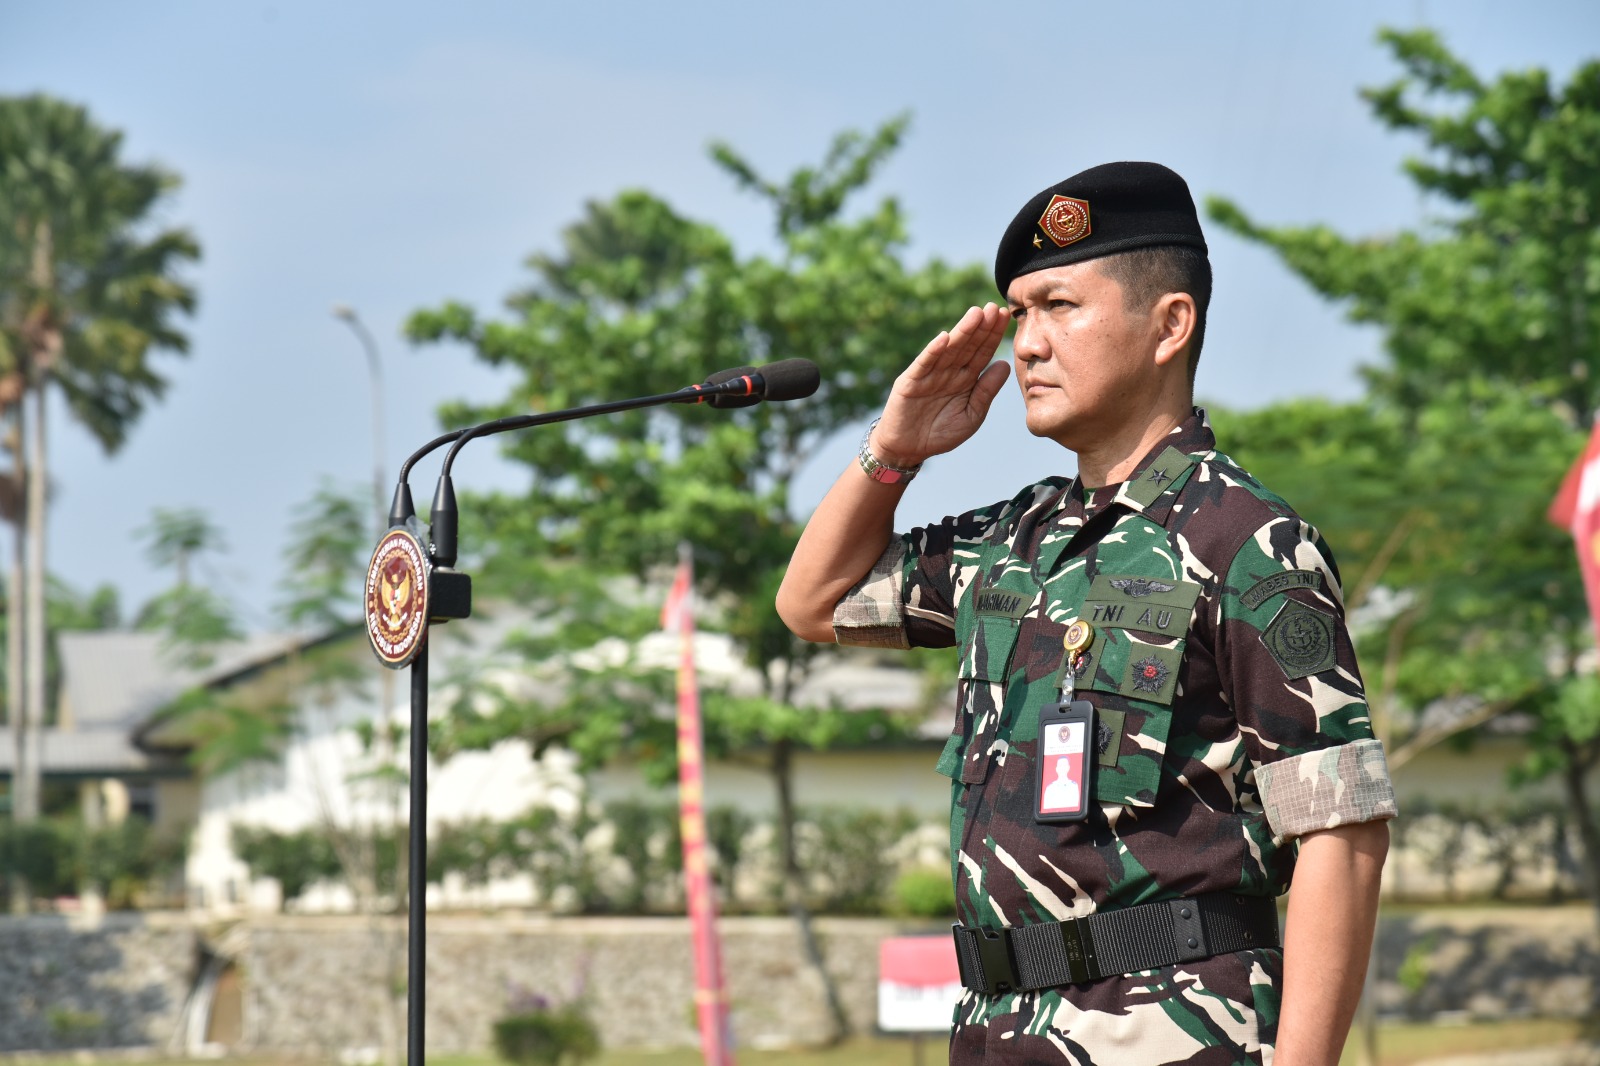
(1183, 613)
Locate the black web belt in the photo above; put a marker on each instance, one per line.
(1107, 943)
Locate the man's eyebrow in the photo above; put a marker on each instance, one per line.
(1052, 290)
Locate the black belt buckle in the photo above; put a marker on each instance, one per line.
(996, 962)
(1081, 963)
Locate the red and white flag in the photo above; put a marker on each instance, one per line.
(710, 994)
(1577, 508)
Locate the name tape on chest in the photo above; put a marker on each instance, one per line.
(1132, 602)
(1001, 603)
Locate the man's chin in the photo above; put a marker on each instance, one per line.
(1054, 429)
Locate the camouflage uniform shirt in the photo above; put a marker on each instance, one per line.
(1231, 720)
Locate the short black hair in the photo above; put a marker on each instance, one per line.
(1147, 274)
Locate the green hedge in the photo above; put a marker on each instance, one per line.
(126, 864)
(626, 857)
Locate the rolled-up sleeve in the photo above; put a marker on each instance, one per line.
(1288, 666)
(871, 614)
(908, 599)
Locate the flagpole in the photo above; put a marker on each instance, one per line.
(1576, 509)
(710, 995)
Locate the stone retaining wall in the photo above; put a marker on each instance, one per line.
(318, 985)
(117, 981)
(334, 986)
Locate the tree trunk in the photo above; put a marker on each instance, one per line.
(24, 802)
(794, 887)
(32, 717)
(33, 640)
(23, 807)
(42, 344)
(1574, 778)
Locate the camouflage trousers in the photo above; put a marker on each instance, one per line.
(1214, 1012)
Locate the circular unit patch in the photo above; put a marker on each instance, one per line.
(397, 598)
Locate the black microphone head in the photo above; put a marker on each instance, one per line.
(732, 401)
(789, 379)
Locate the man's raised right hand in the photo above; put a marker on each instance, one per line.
(941, 399)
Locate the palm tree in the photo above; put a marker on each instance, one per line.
(88, 288)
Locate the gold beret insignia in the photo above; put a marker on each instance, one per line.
(1065, 220)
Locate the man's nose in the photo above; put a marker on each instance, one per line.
(1029, 344)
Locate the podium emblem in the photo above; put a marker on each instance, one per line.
(397, 598)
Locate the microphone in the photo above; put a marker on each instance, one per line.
(787, 379)
(745, 386)
(708, 393)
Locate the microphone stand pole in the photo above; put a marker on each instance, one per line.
(412, 585)
(417, 871)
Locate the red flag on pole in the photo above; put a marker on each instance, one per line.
(1577, 508)
(710, 995)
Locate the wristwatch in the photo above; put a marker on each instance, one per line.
(876, 468)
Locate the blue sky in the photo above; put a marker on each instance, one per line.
(390, 156)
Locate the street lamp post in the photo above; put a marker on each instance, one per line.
(380, 504)
(375, 369)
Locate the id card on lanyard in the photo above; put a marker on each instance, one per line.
(1064, 783)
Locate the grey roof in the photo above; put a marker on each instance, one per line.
(112, 682)
(119, 679)
(97, 753)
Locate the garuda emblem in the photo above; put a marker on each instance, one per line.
(1138, 586)
(397, 598)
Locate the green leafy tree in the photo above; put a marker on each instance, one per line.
(194, 618)
(330, 540)
(1502, 281)
(176, 536)
(643, 300)
(1435, 487)
(89, 288)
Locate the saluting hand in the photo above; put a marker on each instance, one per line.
(941, 399)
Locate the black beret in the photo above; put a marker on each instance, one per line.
(1106, 209)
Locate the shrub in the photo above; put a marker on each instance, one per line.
(60, 857)
(849, 855)
(726, 830)
(296, 860)
(925, 892)
(646, 837)
(536, 1033)
(122, 861)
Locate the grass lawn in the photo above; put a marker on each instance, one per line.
(1398, 1045)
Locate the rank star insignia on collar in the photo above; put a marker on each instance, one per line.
(1159, 476)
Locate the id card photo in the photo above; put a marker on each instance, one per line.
(1061, 779)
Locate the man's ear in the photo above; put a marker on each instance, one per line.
(1174, 316)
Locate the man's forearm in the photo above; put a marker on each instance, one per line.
(1333, 909)
(846, 535)
(937, 403)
